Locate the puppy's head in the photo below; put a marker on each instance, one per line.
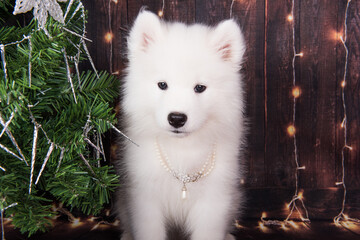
(182, 79)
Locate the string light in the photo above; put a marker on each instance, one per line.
(298, 196)
(342, 219)
(161, 12)
(231, 8)
(291, 130)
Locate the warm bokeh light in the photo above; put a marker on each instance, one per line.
(108, 37)
(343, 83)
(300, 195)
(337, 35)
(287, 206)
(293, 224)
(291, 130)
(290, 18)
(283, 227)
(160, 13)
(76, 223)
(296, 92)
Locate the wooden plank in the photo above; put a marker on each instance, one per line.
(250, 15)
(317, 81)
(134, 7)
(97, 27)
(279, 148)
(212, 11)
(119, 22)
(180, 10)
(107, 17)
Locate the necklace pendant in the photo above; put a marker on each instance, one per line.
(184, 192)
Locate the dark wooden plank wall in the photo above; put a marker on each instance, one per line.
(270, 162)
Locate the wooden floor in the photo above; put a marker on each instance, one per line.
(92, 229)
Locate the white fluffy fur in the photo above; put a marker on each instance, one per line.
(182, 56)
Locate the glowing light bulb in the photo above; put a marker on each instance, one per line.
(343, 83)
(76, 222)
(290, 18)
(300, 195)
(108, 37)
(291, 130)
(337, 35)
(296, 92)
(262, 226)
(160, 13)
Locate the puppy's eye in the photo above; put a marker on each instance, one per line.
(162, 85)
(199, 88)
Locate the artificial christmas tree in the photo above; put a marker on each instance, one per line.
(52, 116)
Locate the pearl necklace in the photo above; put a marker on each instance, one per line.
(185, 177)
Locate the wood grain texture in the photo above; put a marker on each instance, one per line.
(212, 11)
(268, 83)
(317, 80)
(180, 10)
(279, 149)
(250, 15)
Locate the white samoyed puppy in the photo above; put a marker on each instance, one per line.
(182, 104)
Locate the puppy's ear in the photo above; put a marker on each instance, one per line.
(145, 31)
(228, 41)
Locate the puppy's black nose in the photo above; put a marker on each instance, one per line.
(177, 120)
